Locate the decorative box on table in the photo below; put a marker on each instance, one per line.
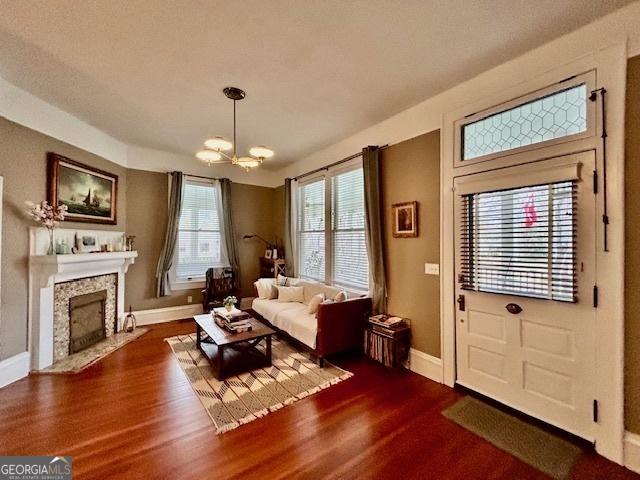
(387, 340)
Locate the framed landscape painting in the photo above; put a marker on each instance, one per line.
(89, 194)
(405, 219)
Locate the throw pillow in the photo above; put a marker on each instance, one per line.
(283, 281)
(264, 286)
(341, 296)
(314, 302)
(290, 294)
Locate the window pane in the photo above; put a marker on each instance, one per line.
(350, 262)
(199, 243)
(311, 225)
(521, 242)
(555, 116)
(312, 255)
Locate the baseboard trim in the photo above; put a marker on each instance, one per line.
(426, 365)
(14, 368)
(632, 451)
(167, 314)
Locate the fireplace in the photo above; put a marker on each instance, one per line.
(87, 315)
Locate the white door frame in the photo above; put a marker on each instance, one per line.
(610, 67)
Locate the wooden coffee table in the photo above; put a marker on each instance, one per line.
(232, 353)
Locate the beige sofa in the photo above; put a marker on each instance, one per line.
(335, 327)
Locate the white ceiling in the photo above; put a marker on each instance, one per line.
(151, 72)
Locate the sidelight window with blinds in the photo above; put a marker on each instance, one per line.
(521, 241)
(333, 251)
(199, 244)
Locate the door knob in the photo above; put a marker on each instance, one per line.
(513, 308)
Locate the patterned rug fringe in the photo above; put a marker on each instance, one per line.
(244, 398)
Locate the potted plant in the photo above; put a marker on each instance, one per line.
(230, 302)
(48, 216)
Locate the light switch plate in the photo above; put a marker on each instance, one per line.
(432, 269)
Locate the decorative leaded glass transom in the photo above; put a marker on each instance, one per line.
(558, 115)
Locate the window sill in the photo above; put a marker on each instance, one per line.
(188, 284)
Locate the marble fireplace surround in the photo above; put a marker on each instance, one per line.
(62, 295)
(45, 271)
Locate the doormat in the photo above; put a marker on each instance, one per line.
(543, 450)
(246, 397)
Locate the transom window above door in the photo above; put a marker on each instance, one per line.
(521, 241)
(555, 114)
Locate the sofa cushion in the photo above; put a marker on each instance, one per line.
(311, 289)
(299, 323)
(269, 309)
(290, 294)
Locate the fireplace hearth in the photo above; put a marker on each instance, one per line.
(87, 315)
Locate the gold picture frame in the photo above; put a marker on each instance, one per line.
(404, 218)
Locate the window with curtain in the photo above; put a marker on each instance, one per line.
(335, 251)
(311, 230)
(521, 241)
(350, 261)
(199, 243)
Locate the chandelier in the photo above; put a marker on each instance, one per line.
(215, 147)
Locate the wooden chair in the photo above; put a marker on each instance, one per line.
(219, 285)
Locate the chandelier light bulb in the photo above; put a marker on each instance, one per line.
(247, 162)
(218, 143)
(208, 156)
(261, 152)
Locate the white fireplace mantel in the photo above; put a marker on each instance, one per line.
(47, 270)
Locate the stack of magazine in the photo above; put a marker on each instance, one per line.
(235, 321)
(386, 323)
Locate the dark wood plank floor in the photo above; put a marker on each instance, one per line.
(134, 415)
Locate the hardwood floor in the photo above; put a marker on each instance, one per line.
(134, 415)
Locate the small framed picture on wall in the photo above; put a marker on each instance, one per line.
(405, 219)
(268, 252)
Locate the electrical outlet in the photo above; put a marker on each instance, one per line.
(189, 299)
(431, 269)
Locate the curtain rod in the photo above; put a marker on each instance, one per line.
(327, 167)
(200, 176)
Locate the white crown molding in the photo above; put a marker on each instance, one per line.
(14, 368)
(25, 109)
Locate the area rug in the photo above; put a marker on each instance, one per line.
(79, 361)
(243, 398)
(543, 450)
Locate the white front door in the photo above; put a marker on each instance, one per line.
(525, 271)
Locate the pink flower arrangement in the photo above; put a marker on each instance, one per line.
(46, 215)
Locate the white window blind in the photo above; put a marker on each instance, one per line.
(311, 230)
(521, 241)
(199, 243)
(350, 261)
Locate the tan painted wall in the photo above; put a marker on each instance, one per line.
(411, 171)
(23, 165)
(632, 247)
(252, 210)
(147, 219)
(142, 200)
(253, 213)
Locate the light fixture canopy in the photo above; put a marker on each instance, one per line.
(215, 147)
(218, 143)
